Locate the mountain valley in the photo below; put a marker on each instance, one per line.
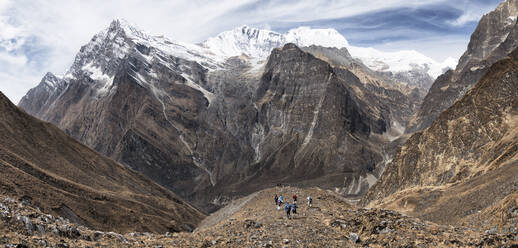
(200, 125)
(146, 141)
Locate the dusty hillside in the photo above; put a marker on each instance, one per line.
(41, 165)
(254, 221)
(466, 161)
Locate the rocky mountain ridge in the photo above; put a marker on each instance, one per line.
(494, 38)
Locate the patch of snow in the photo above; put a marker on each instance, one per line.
(257, 66)
(69, 76)
(353, 187)
(96, 74)
(257, 139)
(474, 68)
(371, 179)
(316, 112)
(189, 82)
(395, 131)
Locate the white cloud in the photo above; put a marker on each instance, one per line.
(466, 18)
(20, 60)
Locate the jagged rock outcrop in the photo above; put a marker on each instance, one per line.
(466, 161)
(43, 95)
(43, 166)
(494, 38)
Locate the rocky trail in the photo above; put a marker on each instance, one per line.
(254, 221)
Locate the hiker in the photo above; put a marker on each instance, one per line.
(294, 198)
(281, 200)
(294, 208)
(287, 208)
(276, 200)
(310, 200)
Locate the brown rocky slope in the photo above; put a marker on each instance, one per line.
(466, 162)
(254, 221)
(42, 165)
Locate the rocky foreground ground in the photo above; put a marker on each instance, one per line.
(254, 221)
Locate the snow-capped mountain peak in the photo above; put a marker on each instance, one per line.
(51, 80)
(129, 29)
(258, 43)
(253, 42)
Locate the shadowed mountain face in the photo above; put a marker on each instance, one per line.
(466, 161)
(494, 38)
(210, 129)
(41, 164)
(311, 125)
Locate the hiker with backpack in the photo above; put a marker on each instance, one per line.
(294, 197)
(294, 208)
(310, 200)
(287, 208)
(276, 200)
(279, 203)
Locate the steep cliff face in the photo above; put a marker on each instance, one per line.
(494, 38)
(466, 161)
(312, 125)
(397, 95)
(42, 165)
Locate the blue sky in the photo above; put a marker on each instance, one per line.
(41, 36)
